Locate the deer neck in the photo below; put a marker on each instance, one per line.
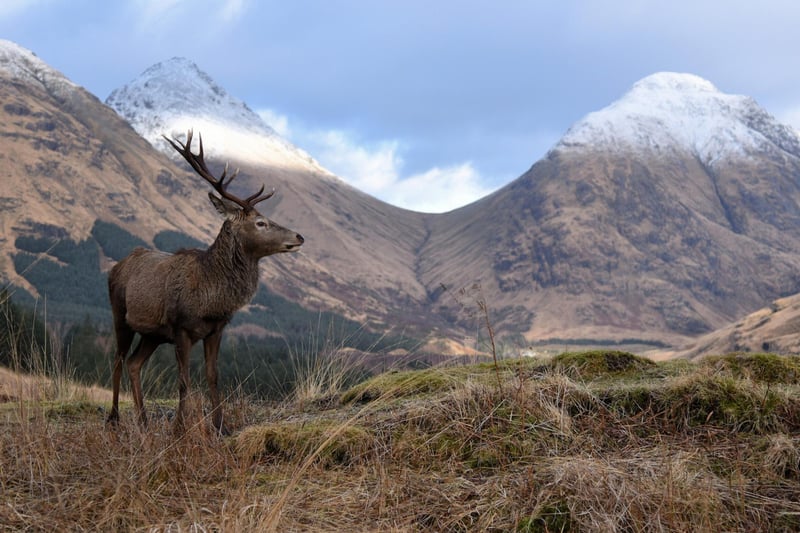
(231, 267)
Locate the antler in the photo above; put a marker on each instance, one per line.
(220, 185)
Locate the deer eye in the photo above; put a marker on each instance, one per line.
(261, 223)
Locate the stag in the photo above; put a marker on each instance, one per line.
(191, 295)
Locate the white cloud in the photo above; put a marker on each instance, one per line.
(276, 121)
(165, 12)
(9, 8)
(439, 189)
(231, 10)
(373, 168)
(377, 168)
(790, 117)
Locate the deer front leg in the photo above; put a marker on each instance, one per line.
(211, 350)
(183, 346)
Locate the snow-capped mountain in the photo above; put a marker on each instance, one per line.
(670, 112)
(675, 208)
(174, 96)
(19, 63)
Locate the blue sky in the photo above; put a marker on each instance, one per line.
(425, 104)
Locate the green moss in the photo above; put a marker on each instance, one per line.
(72, 410)
(597, 363)
(724, 401)
(400, 384)
(763, 367)
(629, 400)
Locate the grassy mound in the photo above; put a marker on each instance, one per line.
(761, 367)
(597, 363)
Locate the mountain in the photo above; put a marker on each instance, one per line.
(173, 96)
(81, 188)
(659, 218)
(663, 216)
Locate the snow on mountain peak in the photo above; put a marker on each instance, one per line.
(173, 96)
(19, 63)
(672, 81)
(668, 112)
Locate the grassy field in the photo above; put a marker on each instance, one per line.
(586, 441)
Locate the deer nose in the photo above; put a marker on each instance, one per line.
(300, 238)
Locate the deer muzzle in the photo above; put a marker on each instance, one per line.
(294, 246)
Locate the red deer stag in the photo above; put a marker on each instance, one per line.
(191, 295)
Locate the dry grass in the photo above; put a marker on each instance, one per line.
(24, 387)
(562, 445)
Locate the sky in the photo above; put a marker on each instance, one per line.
(426, 104)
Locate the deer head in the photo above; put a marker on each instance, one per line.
(260, 236)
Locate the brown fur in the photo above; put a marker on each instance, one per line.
(189, 296)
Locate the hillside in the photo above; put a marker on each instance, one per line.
(775, 328)
(647, 222)
(360, 257)
(68, 160)
(593, 441)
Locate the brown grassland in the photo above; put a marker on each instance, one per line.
(583, 441)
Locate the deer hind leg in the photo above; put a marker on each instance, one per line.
(144, 349)
(124, 336)
(211, 350)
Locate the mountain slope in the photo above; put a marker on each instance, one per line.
(74, 169)
(674, 210)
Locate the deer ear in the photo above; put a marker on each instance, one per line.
(224, 207)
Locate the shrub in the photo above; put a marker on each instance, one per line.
(172, 241)
(115, 241)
